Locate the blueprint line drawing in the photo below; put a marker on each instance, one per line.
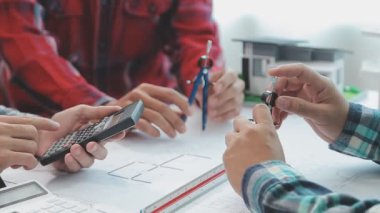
(147, 172)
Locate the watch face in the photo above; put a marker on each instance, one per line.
(20, 193)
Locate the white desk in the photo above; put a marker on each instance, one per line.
(311, 156)
(303, 150)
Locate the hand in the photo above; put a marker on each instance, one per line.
(70, 120)
(18, 140)
(226, 96)
(306, 93)
(157, 110)
(251, 144)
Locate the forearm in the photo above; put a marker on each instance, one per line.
(360, 135)
(274, 186)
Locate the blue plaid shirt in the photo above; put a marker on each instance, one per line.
(274, 186)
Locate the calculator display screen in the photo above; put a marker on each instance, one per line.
(20, 193)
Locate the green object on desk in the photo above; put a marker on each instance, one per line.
(351, 93)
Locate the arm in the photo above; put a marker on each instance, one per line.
(348, 128)
(360, 134)
(32, 56)
(273, 186)
(270, 185)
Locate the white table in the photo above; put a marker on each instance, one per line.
(311, 156)
(303, 150)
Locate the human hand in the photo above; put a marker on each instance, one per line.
(226, 96)
(312, 96)
(251, 144)
(70, 120)
(157, 110)
(18, 140)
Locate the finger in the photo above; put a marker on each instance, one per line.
(81, 156)
(234, 91)
(144, 126)
(168, 95)
(234, 104)
(297, 106)
(27, 160)
(170, 115)
(157, 118)
(302, 72)
(240, 123)
(224, 82)
(229, 138)
(94, 113)
(23, 145)
(283, 116)
(20, 131)
(261, 114)
(97, 151)
(71, 165)
(276, 115)
(38, 122)
(287, 84)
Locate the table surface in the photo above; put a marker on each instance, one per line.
(303, 149)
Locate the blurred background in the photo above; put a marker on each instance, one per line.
(350, 25)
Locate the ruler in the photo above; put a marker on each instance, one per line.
(188, 192)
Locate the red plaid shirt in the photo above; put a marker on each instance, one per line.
(65, 52)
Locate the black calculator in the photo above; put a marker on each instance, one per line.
(110, 125)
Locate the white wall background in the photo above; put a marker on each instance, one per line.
(326, 23)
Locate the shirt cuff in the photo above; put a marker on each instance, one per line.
(359, 133)
(343, 141)
(259, 178)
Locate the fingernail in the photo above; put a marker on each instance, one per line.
(282, 103)
(93, 149)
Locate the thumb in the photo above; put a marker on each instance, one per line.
(297, 106)
(261, 114)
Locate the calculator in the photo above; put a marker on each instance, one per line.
(110, 125)
(32, 197)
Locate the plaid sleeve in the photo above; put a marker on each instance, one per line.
(360, 136)
(274, 186)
